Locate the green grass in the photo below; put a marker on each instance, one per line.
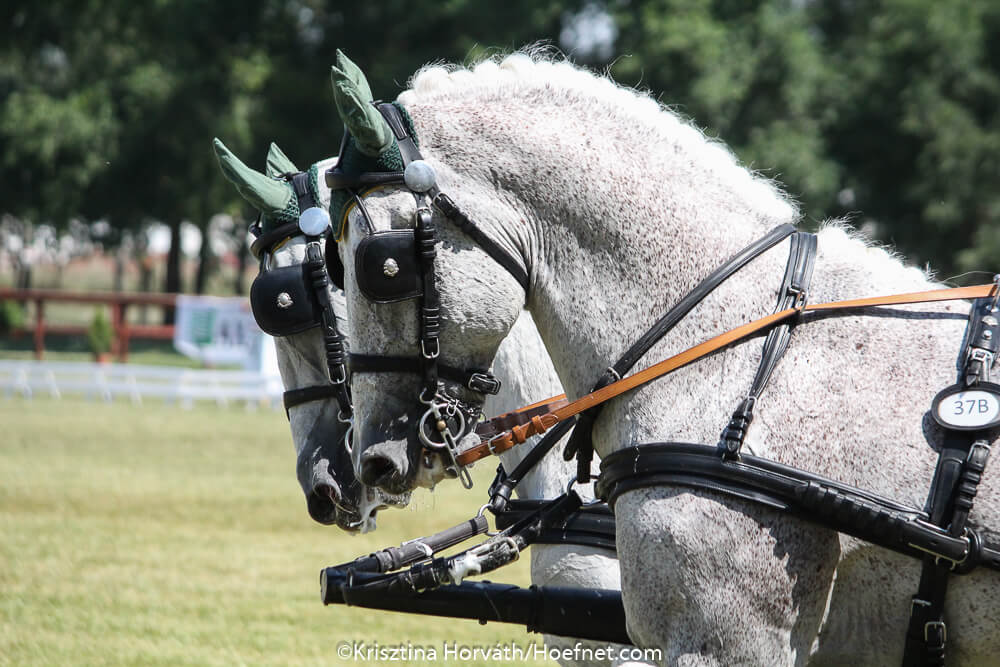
(158, 536)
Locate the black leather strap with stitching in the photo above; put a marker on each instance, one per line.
(818, 499)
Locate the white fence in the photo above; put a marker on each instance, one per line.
(137, 382)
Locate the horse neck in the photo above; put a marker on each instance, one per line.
(615, 235)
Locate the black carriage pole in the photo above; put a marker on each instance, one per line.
(595, 614)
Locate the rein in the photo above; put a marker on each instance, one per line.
(541, 423)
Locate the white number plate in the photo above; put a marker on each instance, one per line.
(968, 409)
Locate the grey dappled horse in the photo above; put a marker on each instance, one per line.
(325, 469)
(615, 208)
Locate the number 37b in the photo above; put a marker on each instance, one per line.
(970, 406)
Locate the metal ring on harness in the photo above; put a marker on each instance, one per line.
(440, 425)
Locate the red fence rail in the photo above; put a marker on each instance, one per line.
(118, 302)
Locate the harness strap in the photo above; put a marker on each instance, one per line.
(264, 241)
(480, 381)
(580, 443)
(447, 206)
(959, 470)
(508, 420)
(503, 484)
(794, 287)
(333, 342)
(589, 526)
(542, 423)
(829, 503)
(430, 302)
(296, 397)
(300, 183)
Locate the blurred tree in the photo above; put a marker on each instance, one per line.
(390, 40)
(916, 125)
(750, 72)
(108, 107)
(884, 111)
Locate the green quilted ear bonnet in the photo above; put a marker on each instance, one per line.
(369, 143)
(270, 194)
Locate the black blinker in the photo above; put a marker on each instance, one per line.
(386, 266)
(282, 302)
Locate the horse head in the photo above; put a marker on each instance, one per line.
(422, 350)
(286, 308)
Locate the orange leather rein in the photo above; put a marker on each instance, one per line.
(539, 417)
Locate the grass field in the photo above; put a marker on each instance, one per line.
(158, 536)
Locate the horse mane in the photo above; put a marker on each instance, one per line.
(540, 72)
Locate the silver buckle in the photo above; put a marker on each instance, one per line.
(937, 624)
(799, 294)
(434, 355)
(985, 359)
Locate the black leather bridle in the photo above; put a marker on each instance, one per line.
(391, 266)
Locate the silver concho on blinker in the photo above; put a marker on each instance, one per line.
(313, 221)
(419, 176)
(284, 300)
(390, 268)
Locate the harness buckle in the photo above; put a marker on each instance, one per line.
(800, 296)
(940, 634)
(341, 377)
(978, 365)
(484, 383)
(429, 355)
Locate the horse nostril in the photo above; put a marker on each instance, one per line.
(376, 469)
(328, 491)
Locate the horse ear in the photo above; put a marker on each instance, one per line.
(265, 194)
(278, 163)
(370, 130)
(354, 73)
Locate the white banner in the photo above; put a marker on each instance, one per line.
(219, 331)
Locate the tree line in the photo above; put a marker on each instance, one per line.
(885, 112)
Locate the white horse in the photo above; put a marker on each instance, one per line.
(616, 208)
(325, 470)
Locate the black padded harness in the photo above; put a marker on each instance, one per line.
(939, 534)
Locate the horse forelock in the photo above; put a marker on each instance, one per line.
(542, 76)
